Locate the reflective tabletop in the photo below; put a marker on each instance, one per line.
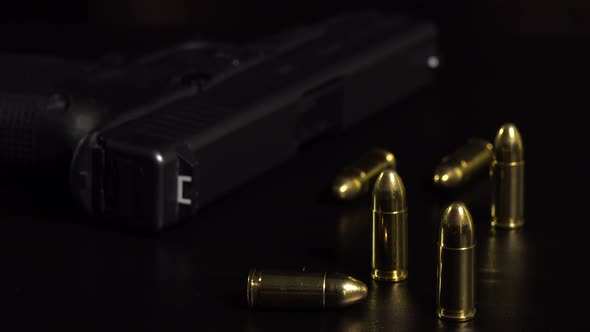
(63, 270)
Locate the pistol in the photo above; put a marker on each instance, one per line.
(145, 140)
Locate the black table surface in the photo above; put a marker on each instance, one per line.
(60, 270)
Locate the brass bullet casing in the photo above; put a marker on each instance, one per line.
(307, 290)
(507, 175)
(390, 228)
(455, 271)
(354, 180)
(465, 162)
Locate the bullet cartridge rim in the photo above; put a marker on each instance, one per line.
(254, 280)
(513, 163)
(456, 315)
(393, 276)
(509, 223)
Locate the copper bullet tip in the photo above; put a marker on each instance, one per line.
(508, 144)
(466, 162)
(356, 179)
(343, 290)
(389, 193)
(447, 176)
(456, 229)
(348, 185)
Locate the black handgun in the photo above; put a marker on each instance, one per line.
(147, 139)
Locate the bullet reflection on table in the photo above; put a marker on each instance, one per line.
(344, 323)
(349, 320)
(442, 325)
(391, 305)
(502, 269)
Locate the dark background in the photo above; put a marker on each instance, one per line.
(84, 27)
(518, 61)
(522, 42)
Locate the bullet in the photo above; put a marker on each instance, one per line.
(354, 180)
(455, 270)
(507, 175)
(464, 163)
(390, 229)
(306, 290)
